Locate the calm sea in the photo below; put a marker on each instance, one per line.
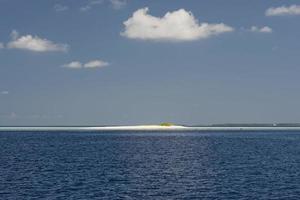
(123, 165)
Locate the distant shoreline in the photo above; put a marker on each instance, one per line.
(145, 128)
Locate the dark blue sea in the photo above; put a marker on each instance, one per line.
(124, 165)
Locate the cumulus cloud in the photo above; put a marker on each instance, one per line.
(34, 43)
(1, 45)
(73, 65)
(90, 4)
(118, 4)
(90, 64)
(283, 10)
(179, 25)
(264, 29)
(95, 64)
(60, 8)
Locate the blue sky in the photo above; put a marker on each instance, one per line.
(107, 62)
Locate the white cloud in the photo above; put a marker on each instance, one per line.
(90, 5)
(90, 64)
(1, 45)
(95, 64)
(264, 29)
(118, 4)
(179, 25)
(283, 10)
(85, 8)
(4, 92)
(34, 43)
(73, 65)
(14, 35)
(60, 8)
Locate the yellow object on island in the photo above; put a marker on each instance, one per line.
(166, 124)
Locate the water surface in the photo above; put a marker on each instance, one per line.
(124, 165)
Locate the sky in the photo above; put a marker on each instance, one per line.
(121, 62)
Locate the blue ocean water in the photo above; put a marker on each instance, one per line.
(116, 165)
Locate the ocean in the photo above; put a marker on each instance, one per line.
(149, 165)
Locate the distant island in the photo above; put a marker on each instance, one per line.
(166, 126)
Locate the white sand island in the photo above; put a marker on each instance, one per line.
(160, 127)
(163, 127)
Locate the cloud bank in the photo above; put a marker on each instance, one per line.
(1, 45)
(91, 64)
(34, 43)
(264, 29)
(178, 25)
(283, 10)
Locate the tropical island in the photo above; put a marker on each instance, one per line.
(163, 127)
